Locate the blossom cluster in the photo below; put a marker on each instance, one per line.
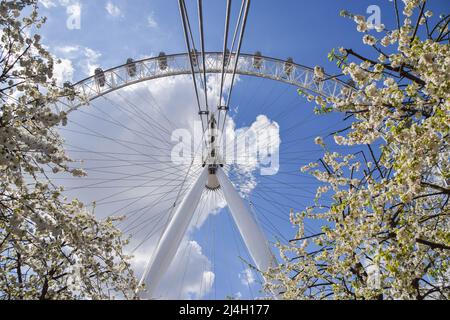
(386, 230)
(50, 247)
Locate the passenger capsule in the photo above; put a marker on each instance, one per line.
(194, 57)
(100, 78)
(319, 74)
(70, 91)
(227, 57)
(257, 60)
(162, 61)
(288, 66)
(131, 67)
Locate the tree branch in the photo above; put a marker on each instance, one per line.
(400, 70)
(436, 187)
(433, 245)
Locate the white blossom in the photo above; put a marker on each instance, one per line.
(42, 234)
(386, 209)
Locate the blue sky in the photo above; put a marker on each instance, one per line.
(305, 30)
(112, 31)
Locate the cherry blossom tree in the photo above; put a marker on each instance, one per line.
(384, 210)
(50, 247)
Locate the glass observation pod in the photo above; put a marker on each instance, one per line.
(319, 74)
(131, 67)
(71, 93)
(227, 57)
(288, 66)
(162, 61)
(100, 77)
(194, 57)
(351, 83)
(257, 60)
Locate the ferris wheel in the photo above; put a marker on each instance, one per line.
(160, 139)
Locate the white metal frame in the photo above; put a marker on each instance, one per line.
(171, 238)
(178, 64)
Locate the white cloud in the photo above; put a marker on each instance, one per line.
(85, 59)
(54, 3)
(68, 50)
(69, 2)
(188, 277)
(247, 277)
(151, 22)
(113, 10)
(91, 62)
(257, 148)
(48, 3)
(63, 71)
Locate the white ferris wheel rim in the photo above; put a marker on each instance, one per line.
(162, 66)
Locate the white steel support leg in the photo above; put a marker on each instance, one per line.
(173, 234)
(248, 227)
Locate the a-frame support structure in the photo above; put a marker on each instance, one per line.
(174, 232)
